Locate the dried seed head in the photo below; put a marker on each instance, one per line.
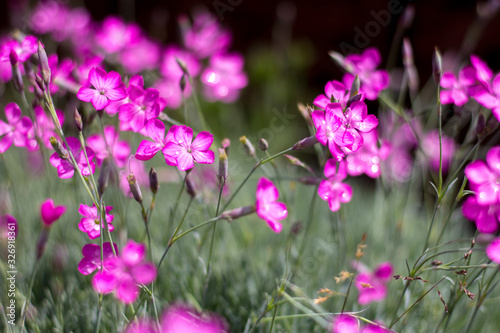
(134, 188)
(153, 181)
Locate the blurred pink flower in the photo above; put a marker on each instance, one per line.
(120, 150)
(493, 250)
(60, 72)
(143, 55)
(125, 272)
(335, 92)
(224, 78)
(487, 92)
(51, 213)
(181, 152)
(182, 319)
(373, 286)
(92, 257)
(91, 221)
(64, 167)
(44, 128)
(107, 87)
(486, 217)
(8, 225)
(266, 206)
(16, 131)
(141, 326)
(143, 106)
(115, 35)
(333, 189)
(430, 147)
(367, 159)
(484, 178)
(22, 50)
(345, 324)
(457, 91)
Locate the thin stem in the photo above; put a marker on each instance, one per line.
(27, 301)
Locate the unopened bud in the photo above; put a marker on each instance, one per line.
(407, 52)
(103, 181)
(305, 143)
(42, 241)
(247, 145)
(153, 181)
(406, 19)
(182, 65)
(263, 145)
(17, 78)
(354, 87)
(59, 148)
(190, 187)
(480, 124)
(39, 82)
(30, 74)
(437, 67)
(134, 188)
(78, 120)
(183, 82)
(44, 64)
(237, 213)
(295, 161)
(354, 98)
(223, 166)
(305, 111)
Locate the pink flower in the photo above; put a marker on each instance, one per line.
(91, 221)
(332, 189)
(64, 167)
(205, 37)
(456, 92)
(141, 326)
(183, 319)
(486, 217)
(430, 147)
(44, 128)
(51, 213)
(181, 152)
(16, 131)
(156, 131)
(266, 206)
(493, 250)
(60, 72)
(372, 286)
(367, 159)
(92, 257)
(119, 150)
(487, 92)
(8, 227)
(115, 35)
(107, 87)
(144, 55)
(224, 78)
(125, 272)
(22, 50)
(335, 92)
(143, 106)
(484, 178)
(364, 65)
(345, 324)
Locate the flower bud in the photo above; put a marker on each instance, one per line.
(134, 188)
(354, 87)
(263, 145)
(183, 82)
(406, 19)
(59, 148)
(44, 64)
(480, 126)
(437, 67)
(39, 82)
(153, 181)
(295, 161)
(305, 143)
(247, 145)
(305, 111)
(182, 65)
(237, 213)
(30, 74)
(42, 241)
(78, 120)
(103, 181)
(190, 187)
(17, 78)
(226, 143)
(223, 166)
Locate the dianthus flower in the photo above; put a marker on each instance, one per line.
(16, 131)
(143, 106)
(372, 287)
(266, 206)
(22, 50)
(92, 257)
(335, 92)
(109, 145)
(484, 178)
(487, 92)
(115, 35)
(345, 324)
(486, 217)
(44, 128)
(51, 213)
(457, 91)
(493, 250)
(107, 87)
(430, 147)
(333, 189)
(367, 159)
(183, 319)
(125, 272)
(65, 168)
(91, 221)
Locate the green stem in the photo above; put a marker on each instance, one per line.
(27, 301)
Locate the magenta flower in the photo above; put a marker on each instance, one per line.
(266, 206)
(364, 65)
(64, 167)
(206, 37)
(141, 326)
(91, 221)
(373, 286)
(22, 50)
(181, 152)
(60, 72)
(156, 131)
(51, 213)
(119, 150)
(224, 78)
(486, 217)
(493, 250)
(144, 55)
(143, 106)
(430, 147)
(484, 178)
(8, 227)
(345, 324)
(115, 35)
(125, 272)
(333, 189)
(183, 319)
(483, 73)
(44, 128)
(335, 92)
(92, 257)
(107, 87)
(457, 91)
(487, 92)
(367, 159)
(16, 131)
